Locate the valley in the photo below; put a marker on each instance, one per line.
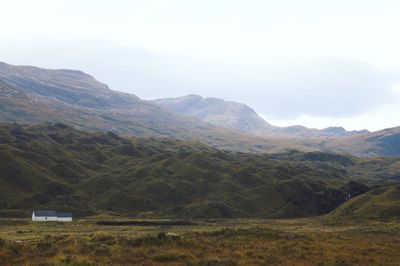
(185, 181)
(199, 133)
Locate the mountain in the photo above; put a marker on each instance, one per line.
(379, 204)
(54, 166)
(304, 132)
(217, 112)
(380, 143)
(241, 117)
(77, 98)
(35, 95)
(32, 95)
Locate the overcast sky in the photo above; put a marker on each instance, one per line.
(317, 63)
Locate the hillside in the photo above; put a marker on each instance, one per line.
(53, 166)
(380, 143)
(379, 204)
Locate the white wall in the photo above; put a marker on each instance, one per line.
(51, 219)
(44, 219)
(64, 219)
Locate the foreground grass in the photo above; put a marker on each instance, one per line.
(229, 242)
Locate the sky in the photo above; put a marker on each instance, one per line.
(317, 63)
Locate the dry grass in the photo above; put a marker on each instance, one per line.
(230, 242)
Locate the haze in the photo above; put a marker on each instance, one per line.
(315, 63)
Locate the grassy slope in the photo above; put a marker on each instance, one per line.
(381, 203)
(56, 166)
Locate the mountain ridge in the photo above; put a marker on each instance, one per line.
(31, 95)
(216, 111)
(241, 117)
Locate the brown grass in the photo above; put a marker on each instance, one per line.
(231, 242)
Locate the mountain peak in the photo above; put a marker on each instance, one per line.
(216, 111)
(72, 80)
(193, 96)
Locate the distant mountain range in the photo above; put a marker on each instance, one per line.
(241, 117)
(217, 112)
(31, 95)
(34, 95)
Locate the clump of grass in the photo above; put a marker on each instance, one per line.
(13, 250)
(173, 256)
(104, 239)
(251, 232)
(217, 262)
(2, 243)
(102, 250)
(161, 238)
(74, 261)
(46, 248)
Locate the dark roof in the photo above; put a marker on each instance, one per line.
(64, 214)
(52, 213)
(45, 213)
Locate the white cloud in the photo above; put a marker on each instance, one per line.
(355, 29)
(396, 89)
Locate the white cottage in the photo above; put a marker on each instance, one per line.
(48, 216)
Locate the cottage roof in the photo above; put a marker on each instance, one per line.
(45, 213)
(52, 214)
(64, 214)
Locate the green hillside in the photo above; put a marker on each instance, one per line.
(379, 204)
(54, 166)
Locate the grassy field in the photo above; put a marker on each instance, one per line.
(214, 242)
